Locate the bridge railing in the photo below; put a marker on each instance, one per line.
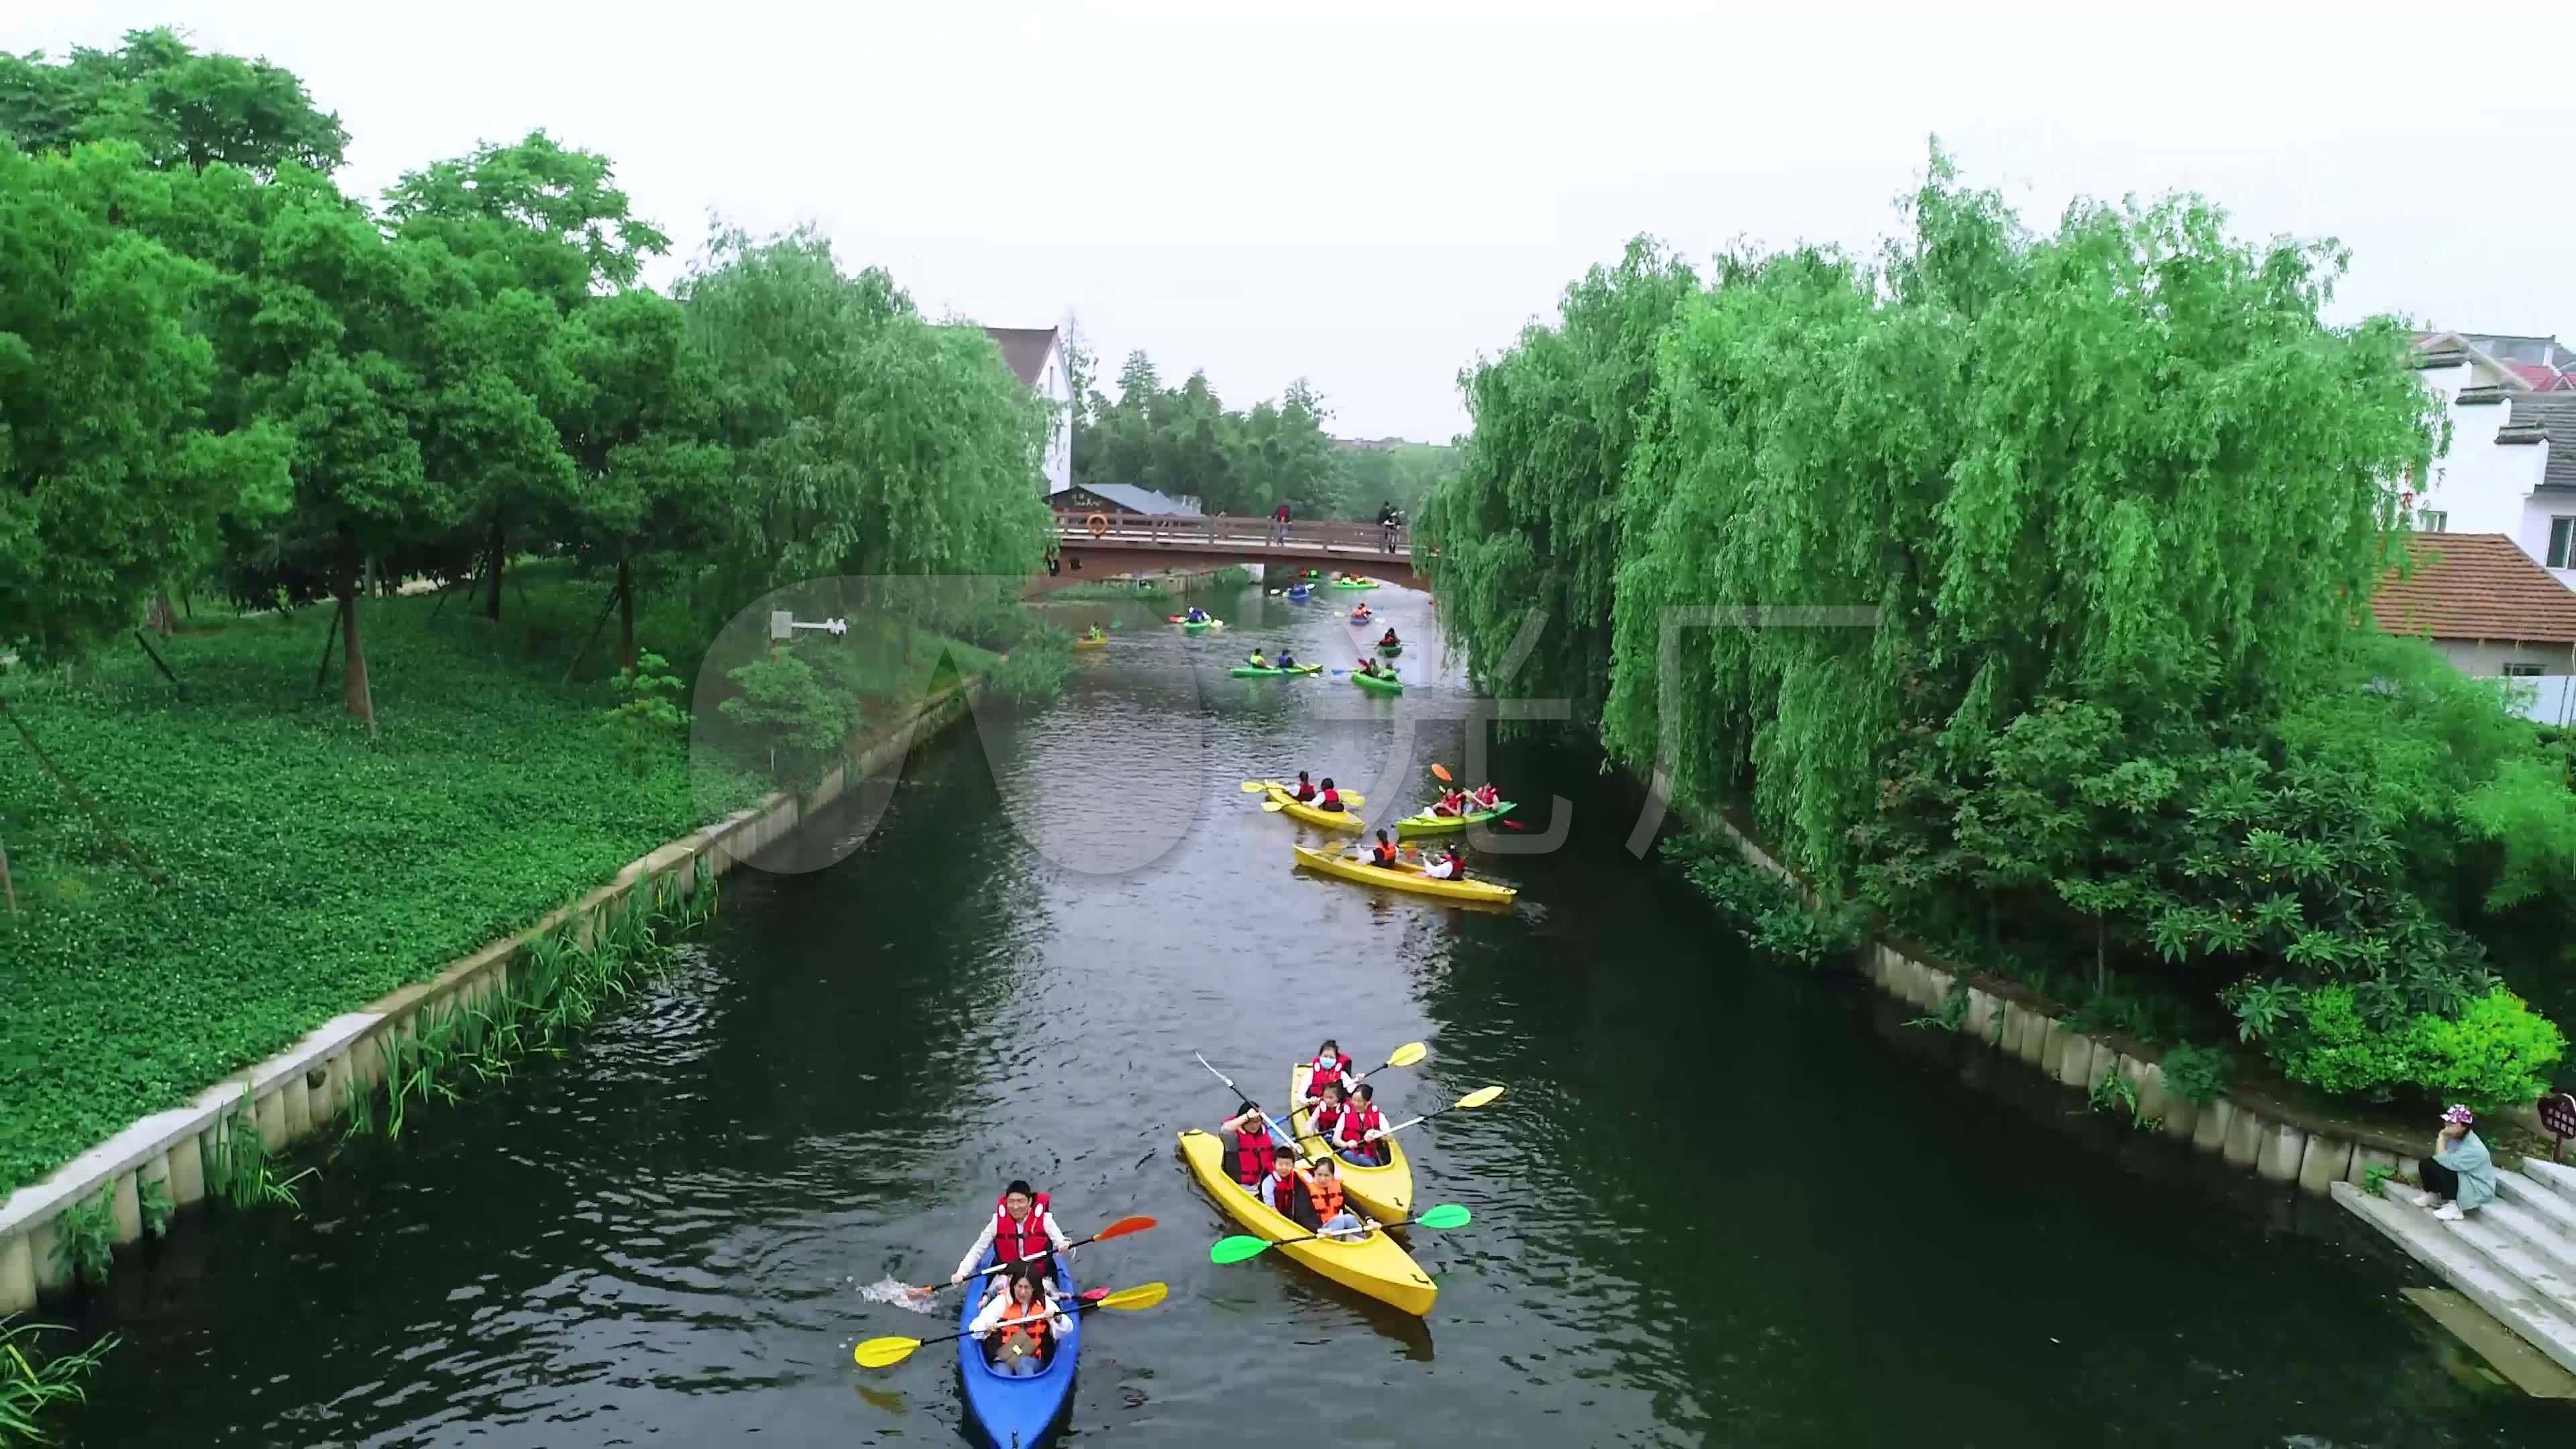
(1221, 531)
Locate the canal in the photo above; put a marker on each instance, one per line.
(1724, 1202)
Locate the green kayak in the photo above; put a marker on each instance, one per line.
(1390, 650)
(1382, 684)
(1201, 627)
(1246, 671)
(1430, 824)
(1355, 583)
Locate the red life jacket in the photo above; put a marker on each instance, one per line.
(1324, 1119)
(1305, 790)
(1253, 1154)
(1384, 853)
(1332, 801)
(1326, 1073)
(1014, 1241)
(1358, 1119)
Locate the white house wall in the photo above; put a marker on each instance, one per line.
(1056, 386)
(2485, 486)
(2486, 658)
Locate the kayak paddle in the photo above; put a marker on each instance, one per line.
(887, 1352)
(1240, 1249)
(1476, 1098)
(1443, 773)
(1118, 1229)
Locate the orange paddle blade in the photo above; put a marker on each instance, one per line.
(1122, 1228)
(1442, 772)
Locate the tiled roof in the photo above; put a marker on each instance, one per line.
(2475, 586)
(2554, 413)
(1137, 500)
(1024, 348)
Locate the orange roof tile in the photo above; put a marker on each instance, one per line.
(2475, 586)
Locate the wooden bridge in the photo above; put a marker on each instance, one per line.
(1103, 545)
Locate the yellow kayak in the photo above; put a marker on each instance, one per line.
(1405, 878)
(1321, 819)
(1352, 798)
(1384, 1193)
(1081, 643)
(1373, 1265)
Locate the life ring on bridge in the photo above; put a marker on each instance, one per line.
(1097, 524)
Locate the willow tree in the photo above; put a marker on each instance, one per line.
(1533, 518)
(2123, 462)
(867, 440)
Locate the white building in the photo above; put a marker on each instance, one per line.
(2485, 606)
(2510, 468)
(1036, 356)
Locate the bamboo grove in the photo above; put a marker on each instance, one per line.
(2116, 498)
(221, 374)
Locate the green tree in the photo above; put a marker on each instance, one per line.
(537, 230)
(179, 107)
(866, 439)
(111, 477)
(640, 430)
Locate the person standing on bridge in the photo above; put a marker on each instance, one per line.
(1279, 523)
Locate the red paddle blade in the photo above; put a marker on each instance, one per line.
(1093, 1295)
(1122, 1228)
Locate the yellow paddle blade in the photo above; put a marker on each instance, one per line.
(1143, 1295)
(1255, 787)
(1407, 1054)
(884, 1352)
(1480, 1096)
(1274, 806)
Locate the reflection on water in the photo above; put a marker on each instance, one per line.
(1722, 1203)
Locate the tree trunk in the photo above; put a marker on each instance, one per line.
(160, 618)
(625, 615)
(492, 595)
(354, 694)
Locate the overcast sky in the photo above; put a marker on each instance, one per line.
(1369, 195)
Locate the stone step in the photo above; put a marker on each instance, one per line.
(2517, 1362)
(2537, 1235)
(2452, 1260)
(2556, 1176)
(2515, 1258)
(2533, 1196)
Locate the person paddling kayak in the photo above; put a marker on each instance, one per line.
(1027, 1322)
(1445, 866)
(1255, 660)
(1390, 641)
(1021, 1226)
(1383, 853)
(1330, 799)
(1196, 615)
(1286, 659)
(1485, 796)
(1361, 1126)
(1329, 1066)
(1095, 634)
(1451, 803)
(1323, 1184)
(1366, 666)
(1305, 791)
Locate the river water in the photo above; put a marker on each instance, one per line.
(1724, 1202)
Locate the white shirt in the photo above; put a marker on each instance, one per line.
(984, 1241)
(1442, 869)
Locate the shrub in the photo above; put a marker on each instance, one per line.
(1766, 910)
(2195, 1073)
(2496, 1053)
(1034, 670)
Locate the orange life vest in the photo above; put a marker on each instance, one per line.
(1325, 1193)
(1027, 1319)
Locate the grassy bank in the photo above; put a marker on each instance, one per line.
(305, 869)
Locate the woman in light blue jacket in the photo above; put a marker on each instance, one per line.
(2460, 1175)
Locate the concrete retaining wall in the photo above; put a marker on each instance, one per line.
(304, 1089)
(2278, 1151)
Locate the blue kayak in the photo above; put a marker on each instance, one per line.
(1018, 1413)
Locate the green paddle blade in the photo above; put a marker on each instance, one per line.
(1235, 1250)
(1447, 1215)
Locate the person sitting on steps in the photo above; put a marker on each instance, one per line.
(2460, 1175)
